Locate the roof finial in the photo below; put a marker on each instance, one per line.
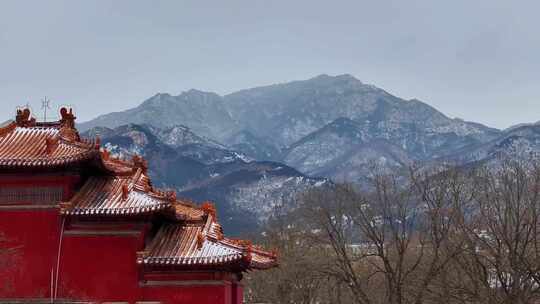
(67, 122)
(68, 119)
(125, 192)
(209, 208)
(200, 240)
(140, 162)
(50, 145)
(23, 118)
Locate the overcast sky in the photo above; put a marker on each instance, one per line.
(477, 60)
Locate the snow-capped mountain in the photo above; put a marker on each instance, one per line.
(343, 151)
(202, 112)
(301, 123)
(517, 143)
(200, 169)
(240, 149)
(284, 114)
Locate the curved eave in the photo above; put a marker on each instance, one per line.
(237, 263)
(262, 261)
(47, 162)
(229, 259)
(116, 211)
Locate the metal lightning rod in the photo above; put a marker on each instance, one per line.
(45, 105)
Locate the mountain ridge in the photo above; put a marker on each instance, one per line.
(245, 191)
(255, 148)
(287, 122)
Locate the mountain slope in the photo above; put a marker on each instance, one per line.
(517, 143)
(201, 111)
(299, 123)
(344, 151)
(244, 191)
(288, 112)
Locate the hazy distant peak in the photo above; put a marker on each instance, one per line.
(192, 95)
(198, 92)
(339, 77)
(332, 80)
(159, 95)
(522, 125)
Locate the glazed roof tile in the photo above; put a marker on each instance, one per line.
(178, 244)
(187, 212)
(117, 195)
(40, 146)
(203, 244)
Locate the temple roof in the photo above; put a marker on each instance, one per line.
(40, 146)
(26, 143)
(111, 195)
(189, 236)
(202, 244)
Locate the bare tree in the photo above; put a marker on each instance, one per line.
(502, 262)
(454, 235)
(389, 245)
(297, 279)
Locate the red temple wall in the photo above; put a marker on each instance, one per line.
(213, 294)
(31, 237)
(97, 261)
(95, 267)
(191, 287)
(100, 265)
(238, 293)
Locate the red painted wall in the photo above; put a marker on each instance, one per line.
(237, 293)
(190, 287)
(31, 237)
(220, 294)
(97, 260)
(99, 268)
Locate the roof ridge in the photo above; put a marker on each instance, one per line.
(8, 128)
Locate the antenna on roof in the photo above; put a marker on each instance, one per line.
(45, 105)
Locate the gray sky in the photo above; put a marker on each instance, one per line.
(477, 60)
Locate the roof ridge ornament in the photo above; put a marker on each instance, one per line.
(68, 119)
(50, 145)
(210, 209)
(170, 195)
(24, 119)
(200, 240)
(140, 162)
(125, 192)
(67, 125)
(105, 154)
(247, 254)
